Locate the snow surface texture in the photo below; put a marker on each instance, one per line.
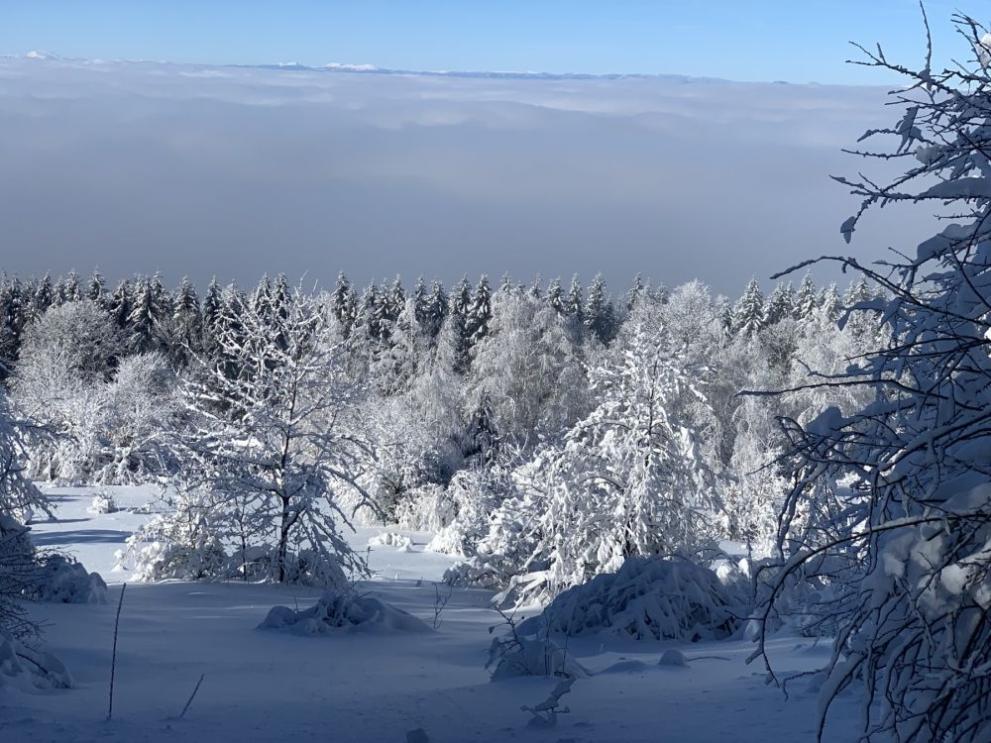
(367, 687)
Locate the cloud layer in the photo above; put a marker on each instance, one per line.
(235, 171)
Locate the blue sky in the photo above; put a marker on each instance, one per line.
(793, 40)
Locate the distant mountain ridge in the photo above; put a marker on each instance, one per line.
(370, 69)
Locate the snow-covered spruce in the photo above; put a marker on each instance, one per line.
(649, 599)
(343, 611)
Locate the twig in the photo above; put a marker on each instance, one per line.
(192, 696)
(113, 658)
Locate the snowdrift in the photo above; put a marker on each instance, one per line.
(343, 611)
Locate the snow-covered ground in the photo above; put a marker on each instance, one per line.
(268, 686)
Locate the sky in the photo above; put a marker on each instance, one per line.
(755, 40)
(195, 167)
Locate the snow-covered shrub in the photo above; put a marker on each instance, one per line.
(28, 668)
(61, 580)
(102, 503)
(426, 508)
(478, 573)
(343, 611)
(518, 655)
(183, 544)
(673, 658)
(475, 494)
(392, 539)
(649, 599)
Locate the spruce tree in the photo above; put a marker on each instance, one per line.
(600, 315)
(749, 313)
(480, 315)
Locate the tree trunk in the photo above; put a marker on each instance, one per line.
(283, 540)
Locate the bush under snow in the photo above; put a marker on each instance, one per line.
(103, 502)
(530, 656)
(62, 580)
(649, 599)
(392, 539)
(342, 611)
(29, 668)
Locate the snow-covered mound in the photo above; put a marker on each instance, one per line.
(62, 580)
(29, 668)
(392, 539)
(103, 502)
(649, 599)
(343, 611)
(525, 656)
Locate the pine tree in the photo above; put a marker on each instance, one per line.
(830, 304)
(453, 346)
(574, 304)
(395, 301)
(282, 297)
(187, 324)
(436, 310)
(212, 307)
(480, 315)
(635, 293)
(121, 304)
(261, 299)
(806, 302)
(96, 289)
(535, 290)
(749, 314)
(67, 289)
(344, 305)
(555, 297)
(145, 318)
(781, 303)
(600, 315)
(12, 320)
(460, 300)
(43, 296)
(421, 303)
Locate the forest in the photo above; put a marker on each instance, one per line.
(798, 472)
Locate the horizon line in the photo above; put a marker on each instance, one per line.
(371, 69)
